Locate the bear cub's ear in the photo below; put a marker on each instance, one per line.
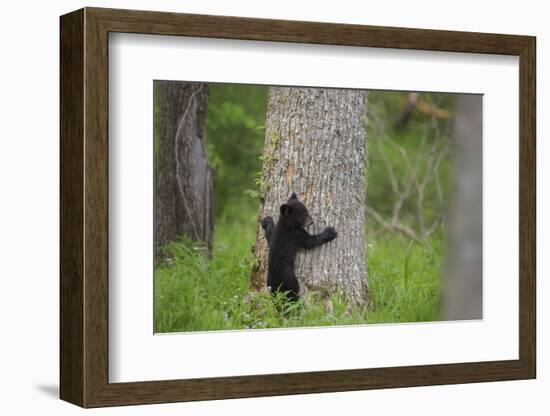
(285, 210)
(293, 196)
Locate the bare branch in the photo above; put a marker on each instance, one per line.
(403, 229)
(421, 169)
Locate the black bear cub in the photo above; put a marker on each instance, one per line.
(284, 241)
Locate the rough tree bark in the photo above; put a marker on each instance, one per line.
(315, 146)
(183, 177)
(462, 297)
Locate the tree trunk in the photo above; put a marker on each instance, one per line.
(315, 146)
(183, 177)
(463, 284)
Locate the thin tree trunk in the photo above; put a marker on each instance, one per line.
(315, 146)
(462, 298)
(183, 177)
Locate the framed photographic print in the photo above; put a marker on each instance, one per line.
(256, 207)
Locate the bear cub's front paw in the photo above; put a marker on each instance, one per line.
(330, 234)
(266, 221)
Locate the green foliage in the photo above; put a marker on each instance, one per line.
(407, 149)
(235, 129)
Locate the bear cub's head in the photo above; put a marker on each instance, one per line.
(294, 213)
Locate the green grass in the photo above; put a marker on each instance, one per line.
(405, 279)
(194, 293)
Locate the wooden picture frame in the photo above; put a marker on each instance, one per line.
(84, 207)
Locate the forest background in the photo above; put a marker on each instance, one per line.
(409, 178)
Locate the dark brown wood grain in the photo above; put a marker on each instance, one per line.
(71, 208)
(84, 207)
(527, 208)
